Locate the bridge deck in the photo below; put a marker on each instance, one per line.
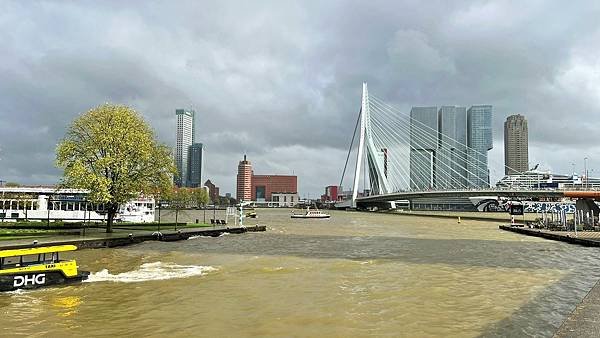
(409, 195)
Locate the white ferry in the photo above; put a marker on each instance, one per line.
(67, 205)
(311, 214)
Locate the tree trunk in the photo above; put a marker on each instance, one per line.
(112, 211)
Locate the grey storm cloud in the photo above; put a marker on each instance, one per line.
(281, 80)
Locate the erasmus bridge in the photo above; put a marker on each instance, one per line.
(402, 157)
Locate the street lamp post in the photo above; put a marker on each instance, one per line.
(585, 171)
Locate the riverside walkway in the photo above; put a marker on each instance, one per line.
(96, 238)
(584, 321)
(585, 238)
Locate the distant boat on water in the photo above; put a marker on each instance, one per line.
(311, 214)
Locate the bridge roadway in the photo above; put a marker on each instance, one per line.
(410, 195)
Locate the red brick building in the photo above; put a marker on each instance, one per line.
(263, 186)
(331, 193)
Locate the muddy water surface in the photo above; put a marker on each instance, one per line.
(357, 274)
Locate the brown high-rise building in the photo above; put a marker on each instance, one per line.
(516, 152)
(213, 191)
(244, 180)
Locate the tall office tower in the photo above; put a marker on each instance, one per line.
(244, 180)
(479, 142)
(516, 145)
(194, 165)
(452, 147)
(185, 138)
(423, 147)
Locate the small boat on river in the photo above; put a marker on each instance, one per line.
(37, 267)
(316, 213)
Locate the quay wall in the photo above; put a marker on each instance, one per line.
(110, 242)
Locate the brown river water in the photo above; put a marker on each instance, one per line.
(354, 275)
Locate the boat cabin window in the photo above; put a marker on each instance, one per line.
(9, 262)
(18, 261)
(50, 257)
(30, 259)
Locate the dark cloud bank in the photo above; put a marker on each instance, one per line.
(281, 80)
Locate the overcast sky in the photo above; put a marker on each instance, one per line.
(281, 81)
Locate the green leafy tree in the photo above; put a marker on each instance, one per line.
(180, 198)
(201, 197)
(112, 152)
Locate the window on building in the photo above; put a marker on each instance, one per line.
(260, 192)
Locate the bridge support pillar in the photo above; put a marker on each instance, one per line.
(589, 209)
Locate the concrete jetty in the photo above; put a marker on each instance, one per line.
(585, 238)
(122, 238)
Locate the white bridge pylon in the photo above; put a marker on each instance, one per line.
(376, 158)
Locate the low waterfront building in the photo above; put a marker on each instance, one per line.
(284, 200)
(68, 205)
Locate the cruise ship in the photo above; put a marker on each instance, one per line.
(537, 179)
(67, 205)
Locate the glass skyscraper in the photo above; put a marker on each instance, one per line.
(194, 163)
(451, 159)
(448, 147)
(479, 135)
(423, 147)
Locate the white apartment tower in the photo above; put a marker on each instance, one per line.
(185, 138)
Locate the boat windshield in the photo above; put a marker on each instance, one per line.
(26, 260)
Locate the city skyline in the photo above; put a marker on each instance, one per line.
(289, 100)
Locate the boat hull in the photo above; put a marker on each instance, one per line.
(303, 216)
(34, 280)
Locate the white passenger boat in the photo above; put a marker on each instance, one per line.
(311, 214)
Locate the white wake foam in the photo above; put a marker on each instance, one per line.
(198, 236)
(151, 271)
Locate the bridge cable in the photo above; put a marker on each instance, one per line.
(351, 143)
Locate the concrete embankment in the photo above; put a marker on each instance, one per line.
(124, 238)
(584, 238)
(476, 216)
(584, 320)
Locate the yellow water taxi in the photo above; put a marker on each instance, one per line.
(37, 267)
